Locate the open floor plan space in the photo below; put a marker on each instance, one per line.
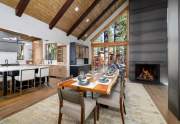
(89, 62)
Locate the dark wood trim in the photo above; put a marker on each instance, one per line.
(60, 13)
(108, 44)
(82, 17)
(21, 7)
(97, 19)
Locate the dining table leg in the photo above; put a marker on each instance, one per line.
(4, 83)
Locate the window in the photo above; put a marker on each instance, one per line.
(116, 32)
(121, 29)
(112, 43)
(100, 39)
(51, 51)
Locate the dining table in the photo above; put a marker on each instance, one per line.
(14, 71)
(94, 85)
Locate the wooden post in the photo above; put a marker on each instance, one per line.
(37, 52)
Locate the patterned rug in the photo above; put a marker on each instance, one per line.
(140, 110)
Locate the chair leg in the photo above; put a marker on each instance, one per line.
(98, 110)
(40, 81)
(82, 119)
(60, 118)
(95, 111)
(121, 111)
(28, 84)
(34, 83)
(21, 87)
(82, 122)
(48, 81)
(92, 95)
(124, 108)
(15, 86)
(10, 87)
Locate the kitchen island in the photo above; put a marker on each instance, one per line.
(14, 71)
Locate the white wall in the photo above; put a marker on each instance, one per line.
(11, 56)
(30, 26)
(110, 19)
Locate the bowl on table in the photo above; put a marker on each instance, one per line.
(80, 77)
(103, 79)
(83, 82)
(109, 74)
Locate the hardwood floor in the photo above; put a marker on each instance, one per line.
(159, 94)
(15, 103)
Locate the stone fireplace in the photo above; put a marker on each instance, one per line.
(147, 72)
(148, 40)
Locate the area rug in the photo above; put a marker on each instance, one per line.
(140, 110)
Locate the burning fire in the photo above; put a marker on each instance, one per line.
(146, 75)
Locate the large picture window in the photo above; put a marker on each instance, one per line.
(116, 32)
(112, 43)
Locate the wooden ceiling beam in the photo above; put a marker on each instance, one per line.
(97, 19)
(81, 18)
(21, 7)
(60, 13)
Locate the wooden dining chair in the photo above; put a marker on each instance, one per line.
(121, 79)
(115, 100)
(43, 72)
(25, 75)
(75, 105)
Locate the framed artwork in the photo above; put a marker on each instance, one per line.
(20, 53)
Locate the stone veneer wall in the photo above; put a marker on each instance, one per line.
(148, 35)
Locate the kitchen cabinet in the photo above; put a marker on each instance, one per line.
(58, 71)
(78, 51)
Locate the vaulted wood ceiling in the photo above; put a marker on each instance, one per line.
(46, 10)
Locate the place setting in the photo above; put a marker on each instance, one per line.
(84, 81)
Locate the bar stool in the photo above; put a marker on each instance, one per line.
(25, 75)
(43, 72)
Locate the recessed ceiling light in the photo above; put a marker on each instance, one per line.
(87, 20)
(76, 9)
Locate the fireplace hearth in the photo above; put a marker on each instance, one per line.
(147, 72)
